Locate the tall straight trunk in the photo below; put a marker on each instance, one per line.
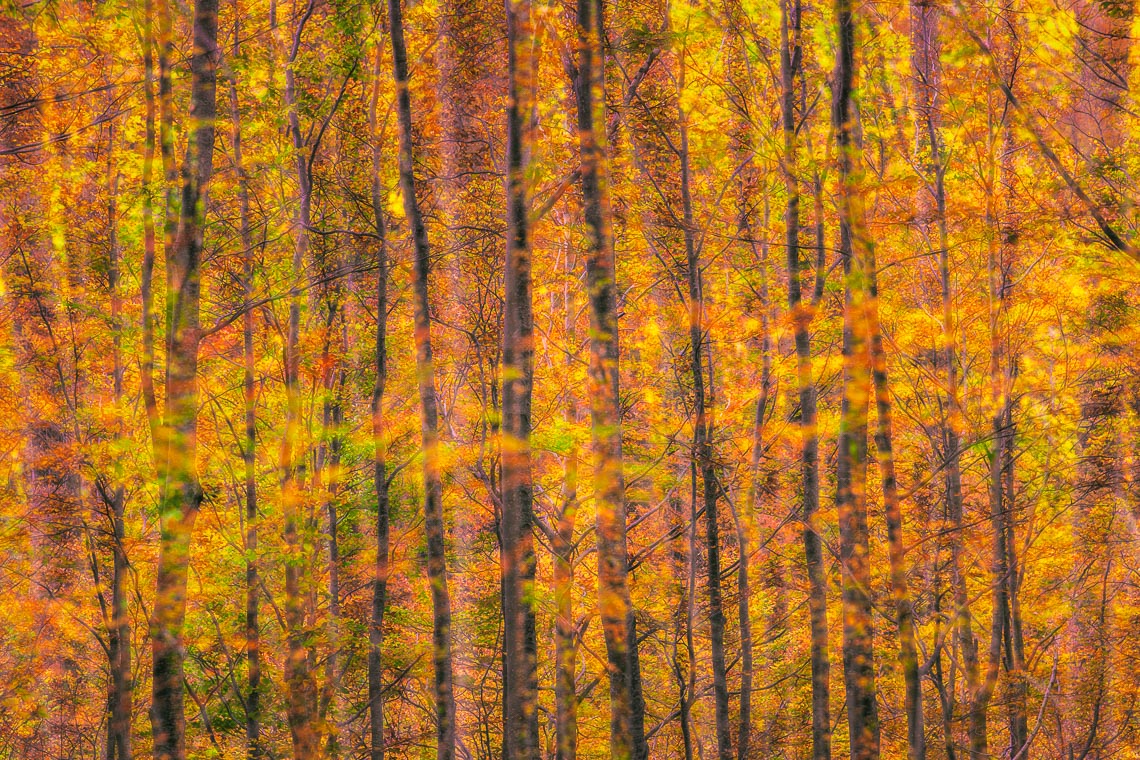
(892, 509)
(790, 62)
(119, 641)
(176, 447)
(562, 543)
(627, 706)
(982, 690)
(146, 273)
(565, 629)
(300, 684)
(687, 679)
(851, 468)
(520, 647)
(1003, 363)
(703, 449)
(328, 467)
(379, 439)
(249, 450)
(119, 633)
(1016, 675)
(744, 521)
(928, 70)
(429, 413)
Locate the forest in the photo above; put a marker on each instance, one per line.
(569, 379)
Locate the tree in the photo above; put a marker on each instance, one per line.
(176, 439)
(851, 468)
(429, 415)
(627, 710)
(791, 55)
(520, 677)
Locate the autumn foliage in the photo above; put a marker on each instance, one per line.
(695, 379)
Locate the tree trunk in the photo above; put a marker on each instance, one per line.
(565, 627)
(300, 684)
(627, 707)
(119, 633)
(328, 467)
(703, 449)
(520, 648)
(429, 414)
(851, 468)
(1003, 365)
(249, 450)
(801, 313)
(176, 448)
(904, 609)
(745, 522)
(379, 438)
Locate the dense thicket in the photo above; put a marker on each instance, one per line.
(569, 379)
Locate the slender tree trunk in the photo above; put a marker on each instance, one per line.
(176, 448)
(119, 644)
(687, 680)
(703, 450)
(851, 468)
(301, 687)
(927, 68)
(627, 707)
(429, 414)
(379, 438)
(801, 313)
(1003, 363)
(565, 629)
(979, 688)
(327, 476)
(328, 466)
(745, 521)
(756, 489)
(520, 648)
(249, 451)
(146, 274)
(900, 591)
(119, 633)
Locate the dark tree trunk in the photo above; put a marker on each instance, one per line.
(565, 629)
(429, 413)
(249, 450)
(851, 468)
(562, 543)
(801, 313)
(744, 521)
(900, 591)
(328, 467)
(520, 648)
(703, 454)
(379, 440)
(176, 446)
(119, 643)
(119, 626)
(300, 684)
(627, 707)
(1003, 365)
